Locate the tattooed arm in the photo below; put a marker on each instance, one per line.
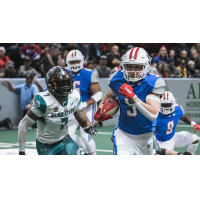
(85, 123)
(82, 119)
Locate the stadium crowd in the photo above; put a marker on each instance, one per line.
(171, 60)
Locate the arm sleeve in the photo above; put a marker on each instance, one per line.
(79, 106)
(22, 131)
(39, 106)
(159, 87)
(95, 77)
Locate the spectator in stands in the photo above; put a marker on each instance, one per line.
(44, 48)
(9, 71)
(69, 46)
(27, 69)
(196, 59)
(84, 49)
(113, 57)
(172, 71)
(61, 62)
(179, 47)
(182, 68)
(64, 55)
(172, 54)
(161, 69)
(162, 56)
(27, 91)
(191, 73)
(183, 56)
(3, 58)
(32, 50)
(6, 122)
(96, 51)
(49, 61)
(90, 65)
(196, 47)
(102, 69)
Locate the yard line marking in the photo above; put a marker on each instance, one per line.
(105, 133)
(101, 150)
(184, 126)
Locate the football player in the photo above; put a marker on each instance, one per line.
(168, 118)
(138, 92)
(53, 110)
(86, 82)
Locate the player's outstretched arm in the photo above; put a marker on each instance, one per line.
(29, 119)
(188, 121)
(162, 151)
(95, 89)
(85, 123)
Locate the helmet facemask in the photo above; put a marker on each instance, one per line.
(75, 67)
(167, 108)
(134, 76)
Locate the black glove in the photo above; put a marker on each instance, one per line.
(185, 153)
(160, 151)
(90, 130)
(22, 153)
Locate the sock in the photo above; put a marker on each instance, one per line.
(90, 146)
(192, 148)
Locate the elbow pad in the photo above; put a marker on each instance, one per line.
(145, 112)
(97, 96)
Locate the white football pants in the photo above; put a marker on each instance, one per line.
(180, 139)
(127, 144)
(85, 141)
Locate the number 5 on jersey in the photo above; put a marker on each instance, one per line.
(75, 84)
(133, 112)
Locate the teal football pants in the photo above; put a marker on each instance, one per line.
(64, 147)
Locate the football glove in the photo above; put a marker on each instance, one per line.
(185, 153)
(196, 127)
(22, 153)
(90, 130)
(101, 117)
(127, 91)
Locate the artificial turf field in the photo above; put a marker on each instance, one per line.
(104, 146)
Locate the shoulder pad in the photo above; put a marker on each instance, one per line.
(159, 87)
(111, 77)
(95, 77)
(40, 103)
(182, 110)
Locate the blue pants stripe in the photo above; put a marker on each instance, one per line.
(114, 140)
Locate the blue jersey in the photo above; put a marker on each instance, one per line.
(166, 124)
(131, 120)
(82, 81)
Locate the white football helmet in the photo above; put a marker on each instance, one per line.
(75, 55)
(139, 56)
(167, 103)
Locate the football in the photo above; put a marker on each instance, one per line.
(110, 106)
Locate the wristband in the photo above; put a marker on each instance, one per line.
(134, 98)
(193, 123)
(84, 104)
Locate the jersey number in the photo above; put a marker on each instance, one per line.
(75, 84)
(64, 121)
(133, 112)
(170, 127)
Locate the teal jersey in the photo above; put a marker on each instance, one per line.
(53, 116)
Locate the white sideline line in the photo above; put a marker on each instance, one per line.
(184, 126)
(101, 150)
